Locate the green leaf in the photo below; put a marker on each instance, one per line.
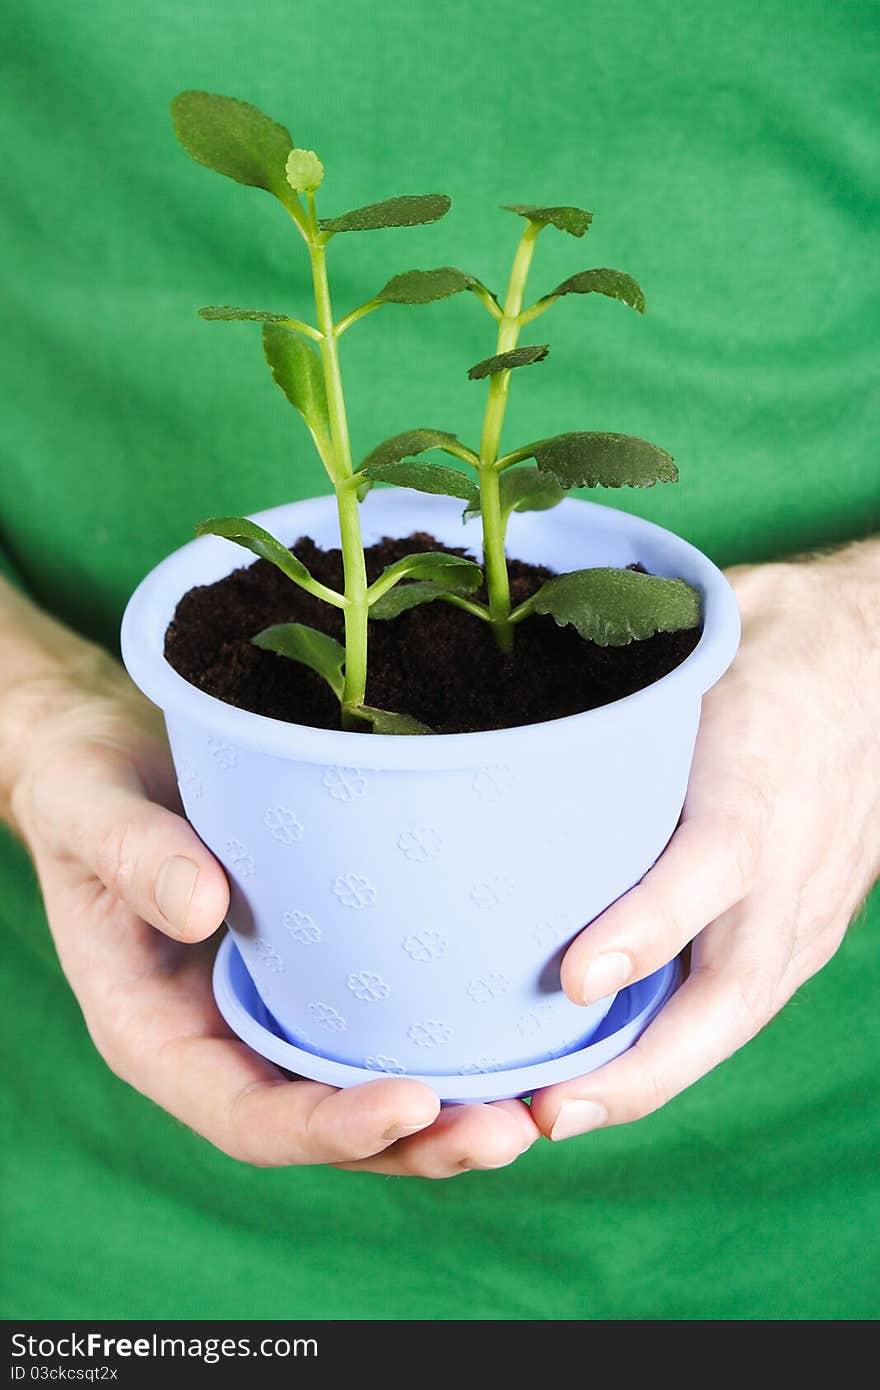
(400, 446)
(304, 171)
(296, 368)
(575, 221)
(504, 361)
(406, 211)
(227, 312)
(322, 654)
(326, 657)
(616, 606)
(424, 477)
(363, 490)
(523, 490)
(254, 538)
(424, 286)
(384, 721)
(235, 139)
(404, 596)
(614, 283)
(453, 572)
(593, 459)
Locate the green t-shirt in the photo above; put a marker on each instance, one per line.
(729, 155)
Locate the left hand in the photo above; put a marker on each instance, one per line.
(778, 843)
(133, 899)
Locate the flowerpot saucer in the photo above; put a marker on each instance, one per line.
(629, 1016)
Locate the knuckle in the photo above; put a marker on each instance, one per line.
(740, 838)
(751, 998)
(647, 1091)
(743, 846)
(113, 1048)
(654, 1092)
(115, 857)
(87, 759)
(241, 1137)
(439, 1171)
(668, 932)
(244, 1152)
(820, 947)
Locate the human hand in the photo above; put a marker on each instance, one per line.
(778, 843)
(132, 896)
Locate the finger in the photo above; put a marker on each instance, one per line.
(719, 1008)
(462, 1138)
(710, 863)
(148, 857)
(247, 1108)
(706, 868)
(149, 1006)
(709, 866)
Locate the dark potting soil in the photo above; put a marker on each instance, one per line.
(435, 662)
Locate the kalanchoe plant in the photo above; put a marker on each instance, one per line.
(237, 140)
(608, 606)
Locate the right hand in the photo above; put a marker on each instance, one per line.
(132, 896)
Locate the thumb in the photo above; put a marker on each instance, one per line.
(149, 857)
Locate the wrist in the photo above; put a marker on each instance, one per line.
(31, 706)
(847, 625)
(811, 647)
(856, 569)
(52, 681)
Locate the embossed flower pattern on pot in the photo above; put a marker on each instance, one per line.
(189, 780)
(531, 1022)
(492, 892)
(240, 858)
(353, 890)
(327, 1017)
(480, 1066)
(548, 933)
(283, 825)
(367, 985)
(345, 783)
(302, 928)
(425, 945)
(268, 956)
(491, 783)
(222, 754)
(430, 1033)
(488, 987)
(420, 844)
(380, 1062)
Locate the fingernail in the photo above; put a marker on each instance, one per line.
(606, 975)
(399, 1131)
(577, 1117)
(175, 885)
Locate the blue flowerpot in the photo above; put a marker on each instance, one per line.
(391, 909)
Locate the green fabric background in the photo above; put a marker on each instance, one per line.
(729, 153)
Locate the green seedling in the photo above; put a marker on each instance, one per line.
(235, 139)
(609, 606)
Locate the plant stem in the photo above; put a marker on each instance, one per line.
(516, 456)
(497, 580)
(476, 610)
(523, 610)
(539, 307)
(360, 312)
(494, 561)
(355, 588)
(305, 329)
